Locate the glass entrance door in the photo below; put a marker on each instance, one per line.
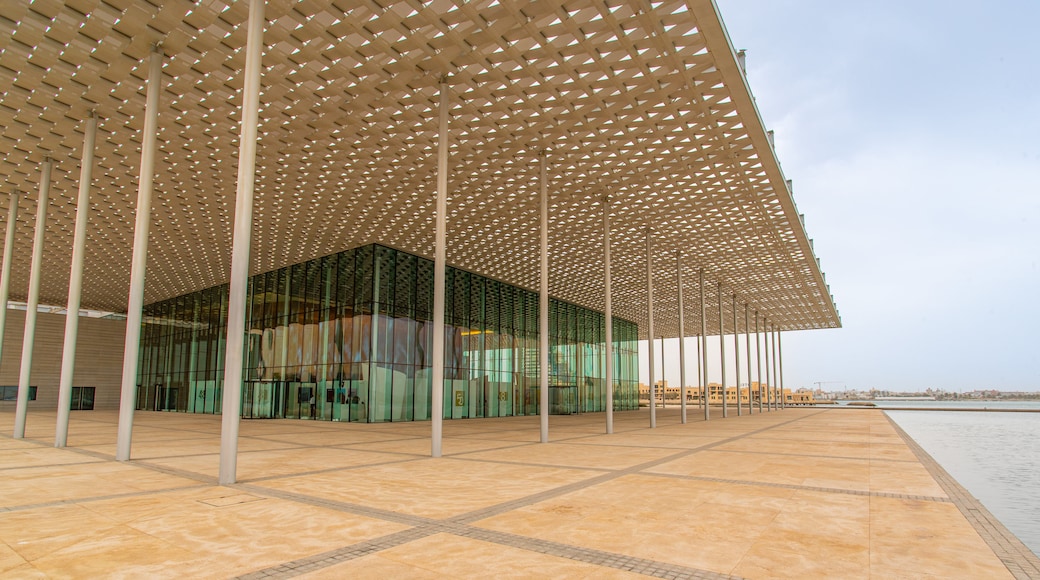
(82, 398)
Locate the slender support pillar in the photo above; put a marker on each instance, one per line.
(238, 288)
(769, 371)
(776, 376)
(664, 380)
(439, 265)
(722, 355)
(5, 273)
(700, 374)
(780, 363)
(747, 345)
(608, 316)
(773, 369)
(704, 348)
(33, 300)
(543, 303)
(650, 325)
(771, 396)
(758, 362)
(736, 355)
(135, 301)
(682, 340)
(79, 241)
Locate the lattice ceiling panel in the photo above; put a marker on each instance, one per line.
(643, 102)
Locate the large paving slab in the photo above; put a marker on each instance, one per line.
(797, 493)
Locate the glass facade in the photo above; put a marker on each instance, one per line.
(348, 337)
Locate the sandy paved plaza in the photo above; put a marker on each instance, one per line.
(799, 493)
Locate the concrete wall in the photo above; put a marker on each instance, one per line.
(99, 358)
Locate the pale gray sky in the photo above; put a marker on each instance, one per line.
(910, 130)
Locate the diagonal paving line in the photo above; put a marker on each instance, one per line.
(529, 464)
(1019, 559)
(572, 487)
(45, 465)
(459, 526)
(97, 498)
(333, 557)
(139, 463)
(342, 506)
(818, 455)
(642, 566)
(806, 487)
(329, 470)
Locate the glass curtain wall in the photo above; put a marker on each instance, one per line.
(347, 337)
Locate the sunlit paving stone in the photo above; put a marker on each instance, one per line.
(588, 505)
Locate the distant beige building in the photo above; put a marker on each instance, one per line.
(733, 394)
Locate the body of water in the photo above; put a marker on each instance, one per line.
(975, 405)
(995, 455)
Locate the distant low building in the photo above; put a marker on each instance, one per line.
(733, 394)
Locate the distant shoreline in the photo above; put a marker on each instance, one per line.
(958, 409)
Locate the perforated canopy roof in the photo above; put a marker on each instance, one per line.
(644, 102)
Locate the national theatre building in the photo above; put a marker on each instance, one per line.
(394, 210)
(348, 337)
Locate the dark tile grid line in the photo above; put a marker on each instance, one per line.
(18, 467)
(341, 506)
(494, 510)
(424, 527)
(651, 568)
(91, 499)
(333, 557)
(288, 447)
(663, 435)
(95, 420)
(642, 566)
(408, 457)
(458, 525)
(274, 439)
(817, 456)
(529, 464)
(1019, 559)
(208, 479)
(105, 457)
(931, 498)
(327, 470)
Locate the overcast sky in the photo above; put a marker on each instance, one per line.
(910, 129)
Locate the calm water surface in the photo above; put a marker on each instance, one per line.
(996, 456)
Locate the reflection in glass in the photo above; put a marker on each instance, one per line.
(347, 337)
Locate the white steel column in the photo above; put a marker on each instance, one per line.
(776, 376)
(700, 374)
(663, 379)
(439, 265)
(747, 345)
(758, 361)
(33, 300)
(769, 382)
(769, 372)
(68, 353)
(135, 301)
(650, 326)
(682, 340)
(238, 289)
(722, 354)
(5, 272)
(608, 317)
(736, 355)
(543, 304)
(780, 363)
(704, 348)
